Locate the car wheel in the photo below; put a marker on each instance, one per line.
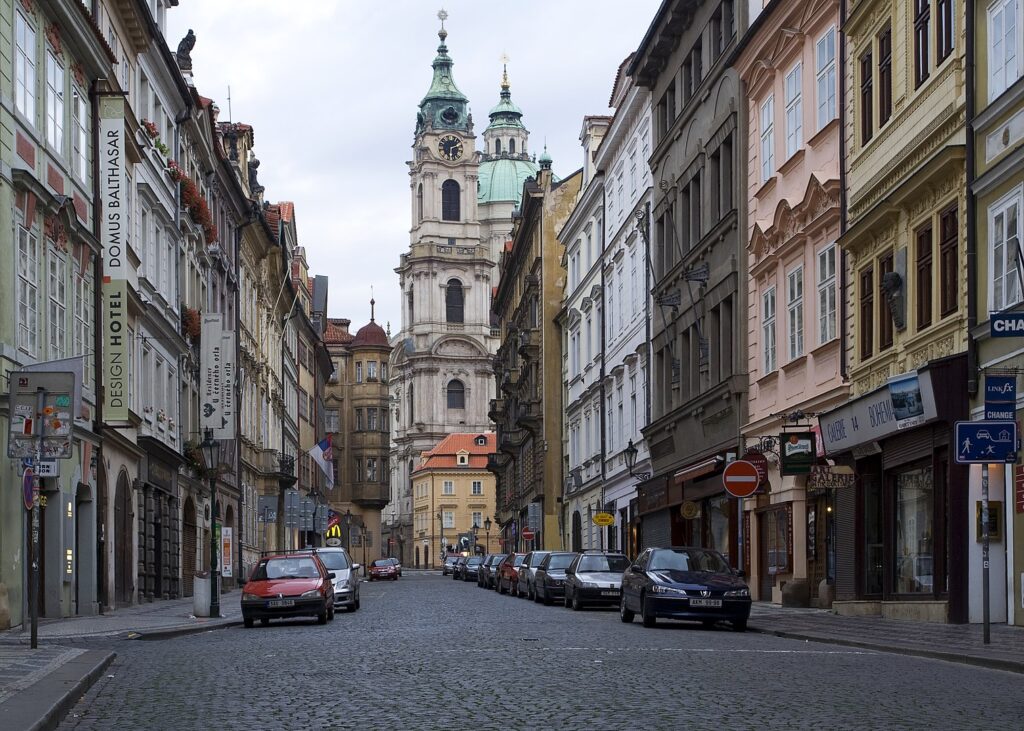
(513, 589)
(740, 625)
(394, 578)
(265, 621)
(646, 615)
(625, 613)
(530, 591)
(501, 587)
(248, 622)
(355, 605)
(576, 605)
(546, 599)
(321, 618)
(566, 601)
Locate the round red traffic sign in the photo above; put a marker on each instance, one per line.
(528, 535)
(740, 478)
(760, 463)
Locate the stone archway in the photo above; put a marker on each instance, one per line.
(124, 519)
(188, 547)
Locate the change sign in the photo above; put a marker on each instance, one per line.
(1000, 397)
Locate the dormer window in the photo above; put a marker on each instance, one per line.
(462, 458)
(480, 441)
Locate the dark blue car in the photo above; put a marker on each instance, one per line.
(684, 583)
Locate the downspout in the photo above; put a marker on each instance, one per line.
(844, 361)
(647, 309)
(972, 208)
(97, 346)
(604, 315)
(238, 408)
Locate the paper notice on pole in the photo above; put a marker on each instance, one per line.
(227, 547)
(226, 430)
(211, 391)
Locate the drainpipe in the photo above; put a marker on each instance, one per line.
(97, 346)
(844, 362)
(603, 371)
(972, 212)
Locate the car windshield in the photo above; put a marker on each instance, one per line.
(537, 558)
(613, 564)
(475, 560)
(689, 559)
(382, 562)
(334, 560)
(560, 561)
(451, 559)
(518, 561)
(286, 568)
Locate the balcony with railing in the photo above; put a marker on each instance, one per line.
(277, 464)
(371, 495)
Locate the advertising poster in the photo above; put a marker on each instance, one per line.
(113, 238)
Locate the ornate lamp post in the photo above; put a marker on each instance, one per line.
(630, 453)
(348, 531)
(476, 528)
(210, 448)
(487, 529)
(440, 520)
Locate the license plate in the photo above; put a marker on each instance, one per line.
(714, 603)
(273, 603)
(609, 593)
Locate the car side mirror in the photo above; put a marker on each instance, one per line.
(331, 575)
(356, 566)
(635, 569)
(741, 573)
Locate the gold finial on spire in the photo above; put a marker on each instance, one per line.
(442, 15)
(504, 72)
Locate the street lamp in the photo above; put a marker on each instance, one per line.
(440, 520)
(487, 528)
(630, 453)
(348, 531)
(476, 528)
(210, 448)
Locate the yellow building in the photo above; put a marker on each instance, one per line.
(453, 492)
(906, 312)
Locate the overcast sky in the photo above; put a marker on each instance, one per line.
(332, 88)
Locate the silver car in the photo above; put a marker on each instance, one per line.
(528, 572)
(346, 577)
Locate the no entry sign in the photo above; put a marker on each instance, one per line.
(741, 478)
(528, 535)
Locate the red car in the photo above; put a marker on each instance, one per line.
(508, 573)
(384, 568)
(288, 585)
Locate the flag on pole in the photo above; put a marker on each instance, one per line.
(323, 454)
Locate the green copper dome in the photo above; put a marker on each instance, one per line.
(505, 113)
(501, 179)
(444, 106)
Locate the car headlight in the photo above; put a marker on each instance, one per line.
(310, 594)
(557, 582)
(661, 589)
(340, 586)
(251, 597)
(589, 585)
(738, 592)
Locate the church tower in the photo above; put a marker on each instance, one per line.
(441, 363)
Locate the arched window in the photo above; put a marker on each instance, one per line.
(412, 404)
(419, 202)
(577, 532)
(450, 201)
(512, 147)
(497, 147)
(453, 301)
(456, 395)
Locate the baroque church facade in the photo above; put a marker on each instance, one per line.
(464, 190)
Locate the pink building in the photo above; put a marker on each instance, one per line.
(788, 63)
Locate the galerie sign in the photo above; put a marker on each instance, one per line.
(113, 237)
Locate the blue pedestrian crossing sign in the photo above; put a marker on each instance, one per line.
(986, 442)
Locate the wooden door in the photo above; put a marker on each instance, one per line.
(123, 541)
(188, 548)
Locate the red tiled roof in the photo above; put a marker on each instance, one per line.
(337, 331)
(371, 334)
(444, 455)
(287, 210)
(309, 285)
(273, 216)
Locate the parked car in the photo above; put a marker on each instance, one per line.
(397, 565)
(346, 577)
(485, 575)
(460, 561)
(508, 573)
(382, 568)
(684, 583)
(288, 585)
(469, 569)
(449, 564)
(594, 578)
(549, 581)
(528, 570)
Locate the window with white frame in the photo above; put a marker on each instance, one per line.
(795, 311)
(478, 487)
(610, 422)
(574, 444)
(448, 518)
(588, 326)
(620, 415)
(634, 417)
(1004, 226)
(449, 487)
(332, 420)
(632, 168)
(586, 435)
(28, 291)
(825, 71)
(620, 314)
(54, 102)
(1005, 45)
(58, 304)
(768, 329)
(609, 323)
(827, 294)
(574, 353)
(82, 336)
(478, 519)
(794, 110)
(80, 131)
(634, 285)
(25, 68)
(767, 138)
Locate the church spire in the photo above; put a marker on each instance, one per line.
(444, 106)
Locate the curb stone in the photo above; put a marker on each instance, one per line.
(45, 703)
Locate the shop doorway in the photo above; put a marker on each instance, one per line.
(123, 518)
(188, 547)
(577, 531)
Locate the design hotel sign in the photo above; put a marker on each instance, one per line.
(113, 235)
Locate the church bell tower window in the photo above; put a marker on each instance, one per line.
(450, 201)
(512, 146)
(454, 302)
(419, 202)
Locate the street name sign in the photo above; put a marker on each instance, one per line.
(985, 442)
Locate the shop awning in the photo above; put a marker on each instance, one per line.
(692, 472)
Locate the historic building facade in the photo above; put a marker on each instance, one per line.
(904, 146)
(462, 199)
(698, 371)
(795, 282)
(528, 464)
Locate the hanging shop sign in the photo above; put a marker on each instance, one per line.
(797, 452)
(827, 477)
(603, 519)
(760, 462)
(1000, 398)
(907, 403)
(211, 364)
(689, 510)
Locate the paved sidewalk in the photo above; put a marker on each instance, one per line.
(953, 642)
(159, 619)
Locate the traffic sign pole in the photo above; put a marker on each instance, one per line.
(984, 554)
(33, 583)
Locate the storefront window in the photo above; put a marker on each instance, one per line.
(873, 546)
(777, 534)
(718, 522)
(915, 511)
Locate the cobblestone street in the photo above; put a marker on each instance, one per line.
(427, 652)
